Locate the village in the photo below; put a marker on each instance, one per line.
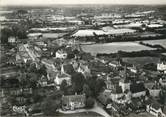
(57, 65)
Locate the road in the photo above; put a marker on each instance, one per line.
(96, 109)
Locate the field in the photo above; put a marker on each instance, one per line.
(161, 42)
(140, 61)
(53, 35)
(145, 114)
(114, 47)
(90, 32)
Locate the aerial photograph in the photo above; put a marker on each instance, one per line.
(80, 58)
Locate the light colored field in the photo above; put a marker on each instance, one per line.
(90, 32)
(114, 47)
(53, 35)
(161, 42)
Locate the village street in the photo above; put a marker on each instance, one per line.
(96, 109)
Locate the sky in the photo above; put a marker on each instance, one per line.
(48, 2)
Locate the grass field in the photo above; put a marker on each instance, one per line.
(114, 47)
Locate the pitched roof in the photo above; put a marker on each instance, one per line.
(137, 87)
(73, 98)
(117, 90)
(62, 75)
(156, 105)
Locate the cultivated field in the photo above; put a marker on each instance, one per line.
(161, 42)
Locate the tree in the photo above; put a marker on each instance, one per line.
(33, 79)
(43, 70)
(91, 81)
(5, 33)
(50, 106)
(162, 96)
(52, 103)
(100, 84)
(89, 102)
(63, 86)
(19, 30)
(32, 67)
(78, 81)
(70, 56)
(87, 90)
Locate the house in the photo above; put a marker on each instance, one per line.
(137, 89)
(115, 64)
(111, 83)
(116, 94)
(155, 109)
(72, 102)
(84, 69)
(12, 40)
(161, 67)
(155, 90)
(119, 110)
(125, 84)
(43, 81)
(34, 36)
(61, 54)
(22, 57)
(162, 82)
(49, 64)
(60, 77)
(137, 105)
(132, 69)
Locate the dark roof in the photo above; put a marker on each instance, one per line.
(117, 90)
(137, 87)
(73, 98)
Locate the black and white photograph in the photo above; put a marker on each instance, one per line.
(82, 58)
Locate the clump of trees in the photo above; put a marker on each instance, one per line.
(15, 31)
(52, 103)
(91, 87)
(162, 96)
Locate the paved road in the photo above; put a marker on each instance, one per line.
(96, 109)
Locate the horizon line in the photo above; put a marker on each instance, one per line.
(77, 4)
